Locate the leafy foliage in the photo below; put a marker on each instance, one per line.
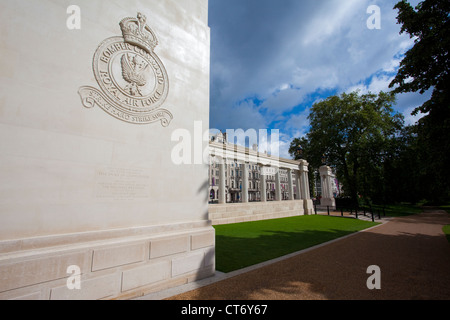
(356, 134)
(427, 64)
(427, 67)
(374, 154)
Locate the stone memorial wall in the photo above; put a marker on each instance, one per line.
(91, 204)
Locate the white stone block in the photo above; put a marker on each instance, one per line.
(188, 263)
(32, 271)
(146, 275)
(203, 240)
(168, 246)
(30, 296)
(117, 256)
(91, 289)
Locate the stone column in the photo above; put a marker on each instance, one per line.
(299, 185)
(222, 183)
(329, 188)
(304, 182)
(327, 199)
(245, 183)
(277, 185)
(323, 186)
(263, 183)
(307, 192)
(290, 184)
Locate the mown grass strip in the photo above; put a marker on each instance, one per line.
(245, 244)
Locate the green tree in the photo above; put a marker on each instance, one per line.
(425, 67)
(355, 132)
(402, 170)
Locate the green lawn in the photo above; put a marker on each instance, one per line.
(446, 230)
(398, 210)
(446, 207)
(245, 244)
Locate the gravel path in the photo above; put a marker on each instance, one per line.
(412, 253)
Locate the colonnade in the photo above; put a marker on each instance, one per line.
(300, 176)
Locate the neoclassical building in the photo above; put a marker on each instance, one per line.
(234, 181)
(246, 185)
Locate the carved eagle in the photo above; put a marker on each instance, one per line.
(133, 72)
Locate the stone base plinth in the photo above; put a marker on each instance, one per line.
(254, 211)
(308, 207)
(325, 203)
(115, 264)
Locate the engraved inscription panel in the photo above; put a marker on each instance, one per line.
(122, 183)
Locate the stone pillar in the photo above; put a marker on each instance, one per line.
(290, 185)
(307, 192)
(327, 199)
(277, 185)
(299, 185)
(245, 183)
(304, 183)
(222, 183)
(263, 182)
(323, 186)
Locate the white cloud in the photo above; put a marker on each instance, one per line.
(329, 20)
(392, 65)
(299, 122)
(285, 54)
(244, 115)
(284, 100)
(409, 118)
(377, 84)
(407, 102)
(280, 147)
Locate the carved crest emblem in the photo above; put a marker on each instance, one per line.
(133, 81)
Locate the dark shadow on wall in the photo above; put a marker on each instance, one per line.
(203, 191)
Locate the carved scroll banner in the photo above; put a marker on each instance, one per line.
(91, 97)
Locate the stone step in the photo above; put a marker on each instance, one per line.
(256, 217)
(256, 211)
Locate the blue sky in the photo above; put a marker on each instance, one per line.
(272, 59)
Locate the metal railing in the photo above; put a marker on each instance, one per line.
(371, 211)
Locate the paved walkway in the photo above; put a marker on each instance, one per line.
(412, 253)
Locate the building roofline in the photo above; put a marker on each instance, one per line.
(236, 152)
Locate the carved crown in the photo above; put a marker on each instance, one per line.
(135, 31)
